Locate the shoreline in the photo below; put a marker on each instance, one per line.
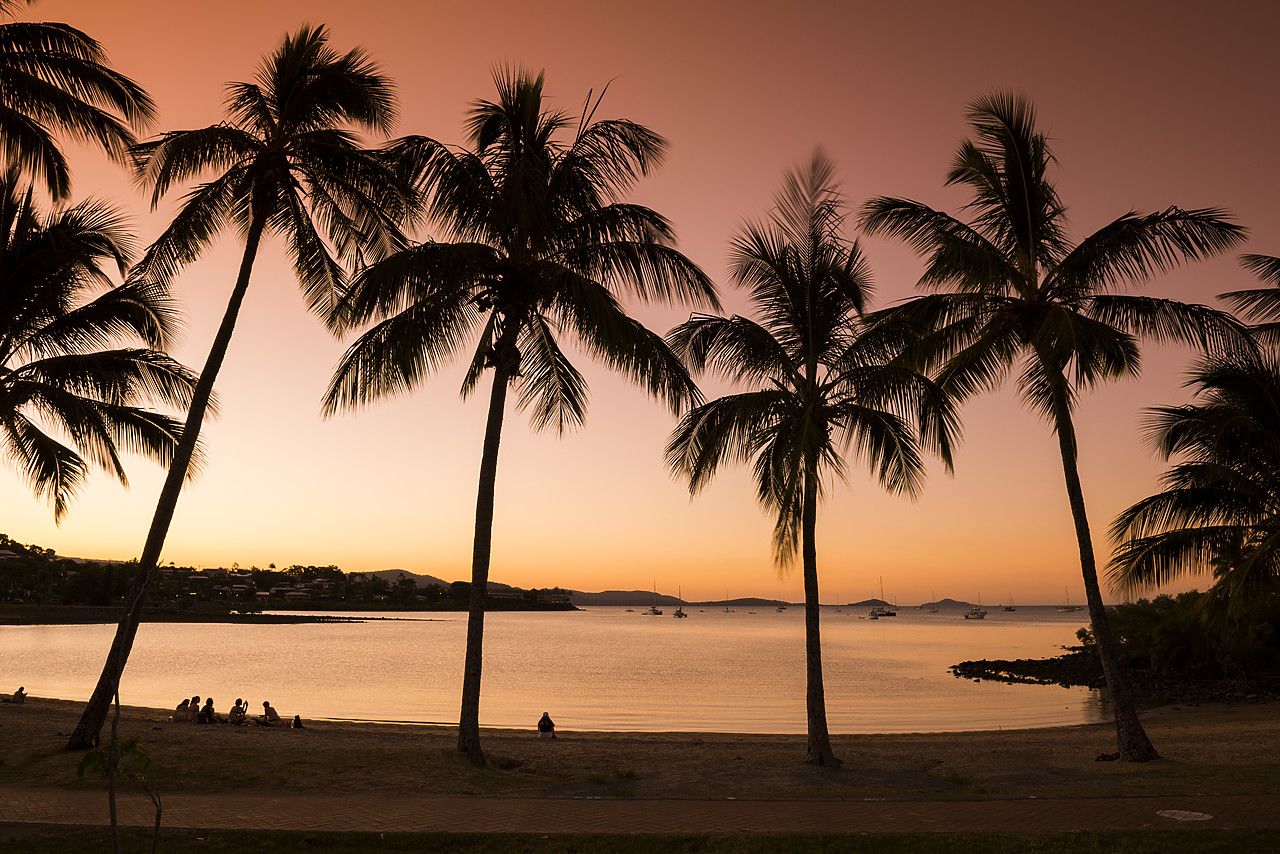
(1211, 749)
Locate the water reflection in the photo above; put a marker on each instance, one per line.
(603, 669)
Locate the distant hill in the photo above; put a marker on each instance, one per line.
(632, 598)
(421, 580)
(424, 580)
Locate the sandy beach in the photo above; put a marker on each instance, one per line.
(1209, 749)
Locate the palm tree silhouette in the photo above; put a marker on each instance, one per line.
(289, 166)
(1011, 290)
(1217, 513)
(55, 78)
(1261, 305)
(53, 370)
(540, 245)
(824, 382)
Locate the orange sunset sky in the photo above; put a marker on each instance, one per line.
(1148, 105)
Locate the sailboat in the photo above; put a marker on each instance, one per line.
(977, 612)
(727, 609)
(1068, 608)
(680, 608)
(932, 607)
(1010, 607)
(654, 610)
(881, 610)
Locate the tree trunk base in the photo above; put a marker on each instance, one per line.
(823, 758)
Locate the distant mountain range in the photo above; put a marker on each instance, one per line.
(631, 598)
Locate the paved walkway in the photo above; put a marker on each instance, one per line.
(564, 815)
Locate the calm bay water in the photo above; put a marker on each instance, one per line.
(599, 669)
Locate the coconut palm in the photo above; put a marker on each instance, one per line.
(289, 165)
(1012, 291)
(1219, 513)
(1261, 305)
(55, 79)
(823, 381)
(538, 244)
(55, 376)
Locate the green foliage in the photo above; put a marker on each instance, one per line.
(1169, 636)
(132, 760)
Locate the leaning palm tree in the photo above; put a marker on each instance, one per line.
(56, 378)
(289, 166)
(55, 79)
(824, 381)
(1219, 513)
(1011, 290)
(538, 245)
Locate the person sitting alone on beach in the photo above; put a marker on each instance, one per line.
(19, 697)
(546, 726)
(296, 723)
(270, 717)
(236, 715)
(193, 709)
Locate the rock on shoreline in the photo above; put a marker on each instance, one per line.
(1083, 669)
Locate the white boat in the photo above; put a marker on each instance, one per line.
(977, 612)
(1010, 607)
(1068, 608)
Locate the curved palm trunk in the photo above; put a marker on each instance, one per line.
(1131, 738)
(469, 716)
(88, 729)
(819, 747)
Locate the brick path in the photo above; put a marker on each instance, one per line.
(564, 815)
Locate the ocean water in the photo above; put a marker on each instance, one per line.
(598, 669)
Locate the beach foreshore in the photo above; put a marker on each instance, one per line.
(1218, 749)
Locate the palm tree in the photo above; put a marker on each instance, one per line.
(54, 78)
(1218, 513)
(541, 244)
(824, 382)
(54, 372)
(1011, 290)
(289, 166)
(1261, 305)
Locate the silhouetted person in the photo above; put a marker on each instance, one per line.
(270, 717)
(19, 697)
(546, 726)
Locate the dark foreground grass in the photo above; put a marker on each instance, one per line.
(52, 839)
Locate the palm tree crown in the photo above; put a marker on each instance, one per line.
(54, 78)
(823, 380)
(54, 374)
(1220, 511)
(540, 244)
(287, 163)
(1011, 290)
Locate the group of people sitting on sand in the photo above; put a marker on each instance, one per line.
(190, 711)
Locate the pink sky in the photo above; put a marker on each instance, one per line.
(1148, 105)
